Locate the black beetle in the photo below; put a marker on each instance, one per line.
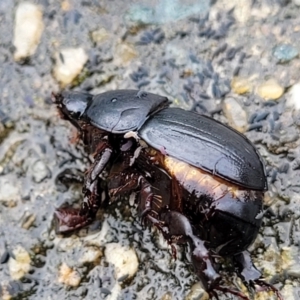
(197, 180)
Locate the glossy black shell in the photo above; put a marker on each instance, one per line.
(207, 144)
(121, 111)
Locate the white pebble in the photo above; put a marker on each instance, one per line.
(123, 258)
(69, 63)
(28, 29)
(293, 97)
(90, 254)
(242, 10)
(236, 115)
(297, 2)
(115, 292)
(20, 265)
(10, 189)
(40, 171)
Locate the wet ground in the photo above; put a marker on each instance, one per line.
(238, 63)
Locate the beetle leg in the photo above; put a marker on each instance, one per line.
(68, 219)
(269, 286)
(96, 169)
(246, 267)
(250, 274)
(180, 230)
(231, 291)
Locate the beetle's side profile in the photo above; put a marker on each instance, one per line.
(197, 180)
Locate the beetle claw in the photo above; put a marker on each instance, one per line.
(268, 286)
(68, 219)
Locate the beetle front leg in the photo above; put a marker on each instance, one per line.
(68, 219)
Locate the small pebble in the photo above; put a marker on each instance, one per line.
(197, 293)
(294, 270)
(40, 171)
(296, 2)
(124, 54)
(115, 292)
(293, 97)
(20, 264)
(270, 90)
(90, 254)
(28, 221)
(285, 52)
(165, 11)
(68, 276)
(241, 85)
(123, 258)
(242, 10)
(10, 190)
(28, 29)
(235, 114)
(167, 296)
(99, 35)
(69, 64)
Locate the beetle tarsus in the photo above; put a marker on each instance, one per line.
(247, 270)
(226, 290)
(269, 287)
(68, 219)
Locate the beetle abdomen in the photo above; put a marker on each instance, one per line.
(207, 144)
(223, 214)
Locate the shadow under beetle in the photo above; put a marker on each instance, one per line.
(197, 180)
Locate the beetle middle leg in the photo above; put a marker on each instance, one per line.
(128, 181)
(67, 218)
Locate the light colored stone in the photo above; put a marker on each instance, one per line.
(242, 10)
(99, 35)
(65, 5)
(9, 190)
(197, 293)
(241, 85)
(90, 254)
(124, 54)
(235, 114)
(40, 171)
(270, 90)
(20, 265)
(296, 2)
(69, 64)
(5, 295)
(123, 258)
(28, 29)
(294, 270)
(270, 262)
(68, 276)
(293, 97)
(115, 292)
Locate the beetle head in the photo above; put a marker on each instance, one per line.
(72, 105)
